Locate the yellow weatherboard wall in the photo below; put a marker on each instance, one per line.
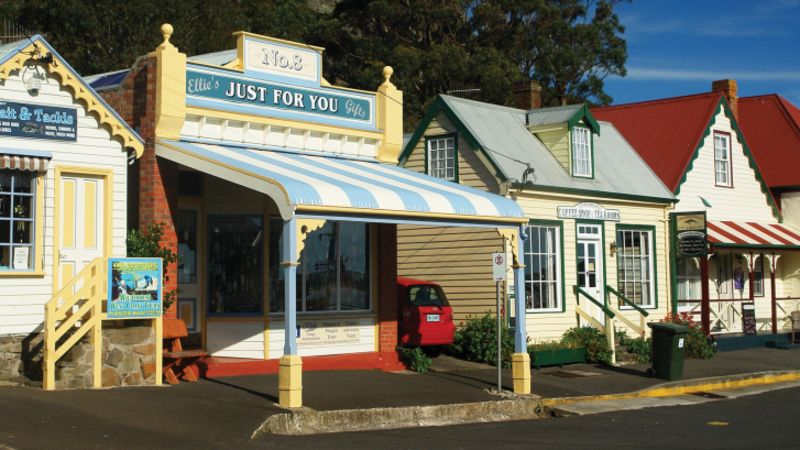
(557, 140)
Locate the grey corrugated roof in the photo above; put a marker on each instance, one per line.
(553, 115)
(7, 50)
(217, 58)
(501, 131)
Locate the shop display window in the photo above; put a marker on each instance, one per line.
(333, 274)
(235, 252)
(17, 217)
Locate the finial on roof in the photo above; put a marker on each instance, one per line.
(166, 31)
(387, 73)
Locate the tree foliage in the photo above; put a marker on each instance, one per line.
(469, 48)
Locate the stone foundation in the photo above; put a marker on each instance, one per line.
(128, 358)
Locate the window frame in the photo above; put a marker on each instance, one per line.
(560, 277)
(428, 140)
(729, 173)
(37, 206)
(573, 153)
(651, 233)
(758, 268)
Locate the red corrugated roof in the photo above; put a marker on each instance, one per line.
(771, 126)
(664, 132)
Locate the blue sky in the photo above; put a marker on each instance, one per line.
(677, 47)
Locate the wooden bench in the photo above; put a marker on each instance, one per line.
(175, 357)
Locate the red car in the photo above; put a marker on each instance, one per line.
(426, 319)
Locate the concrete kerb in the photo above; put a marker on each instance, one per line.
(306, 421)
(675, 388)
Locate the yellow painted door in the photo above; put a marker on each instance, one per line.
(81, 234)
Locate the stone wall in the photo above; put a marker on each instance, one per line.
(21, 357)
(128, 358)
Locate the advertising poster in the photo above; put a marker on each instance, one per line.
(134, 288)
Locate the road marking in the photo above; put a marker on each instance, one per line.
(717, 423)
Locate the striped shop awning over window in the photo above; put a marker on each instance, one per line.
(752, 234)
(22, 162)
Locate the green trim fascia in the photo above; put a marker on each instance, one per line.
(440, 106)
(560, 225)
(599, 194)
(652, 230)
(455, 153)
(673, 263)
(723, 106)
(584, 114)
(602, 251)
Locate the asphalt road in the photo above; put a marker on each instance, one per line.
(766, 420)
(37, 421)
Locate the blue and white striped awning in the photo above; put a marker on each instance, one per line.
(303, 183)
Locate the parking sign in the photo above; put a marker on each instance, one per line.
(499, 266)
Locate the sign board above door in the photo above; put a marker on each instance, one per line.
(589, 211)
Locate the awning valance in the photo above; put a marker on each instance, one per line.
(31, 163)
(726, 233)
(304, 183)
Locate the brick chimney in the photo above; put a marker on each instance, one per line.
(729, 90)
(526, 94)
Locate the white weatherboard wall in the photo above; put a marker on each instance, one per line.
(743, 202)
(22, 298)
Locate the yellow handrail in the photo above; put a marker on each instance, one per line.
(61, 317)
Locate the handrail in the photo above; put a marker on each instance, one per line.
(61, 317)
(578, 291)
(626, 301)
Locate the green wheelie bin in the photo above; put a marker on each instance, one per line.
(669, 347)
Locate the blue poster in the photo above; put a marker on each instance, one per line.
(134, 288)
(38, 121)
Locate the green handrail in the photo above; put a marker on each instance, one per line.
(578, 291)
(627, 302)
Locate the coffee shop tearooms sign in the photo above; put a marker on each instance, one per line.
(589, 211)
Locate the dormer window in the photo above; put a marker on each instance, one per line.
(582, 164)
(722, 159)
(441, 157)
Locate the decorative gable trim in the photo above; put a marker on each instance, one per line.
(81, 91)
(440, 106)
(586, 115)
(722, 105)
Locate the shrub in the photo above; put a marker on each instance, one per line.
(698, 345)
(595, 343)
(640, 348)
(147, 244)
(416, 359)
(550, 346)
(477, 341)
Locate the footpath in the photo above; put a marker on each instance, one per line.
(229, 411)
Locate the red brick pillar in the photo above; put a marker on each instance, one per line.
(387, 294)
(158, 182)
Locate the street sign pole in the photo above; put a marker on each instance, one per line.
(499, 274)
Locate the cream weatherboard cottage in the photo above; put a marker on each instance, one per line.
(596, 242)
(696, 146)
(63, 168)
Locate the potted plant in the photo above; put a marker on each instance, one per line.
(555, 353)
